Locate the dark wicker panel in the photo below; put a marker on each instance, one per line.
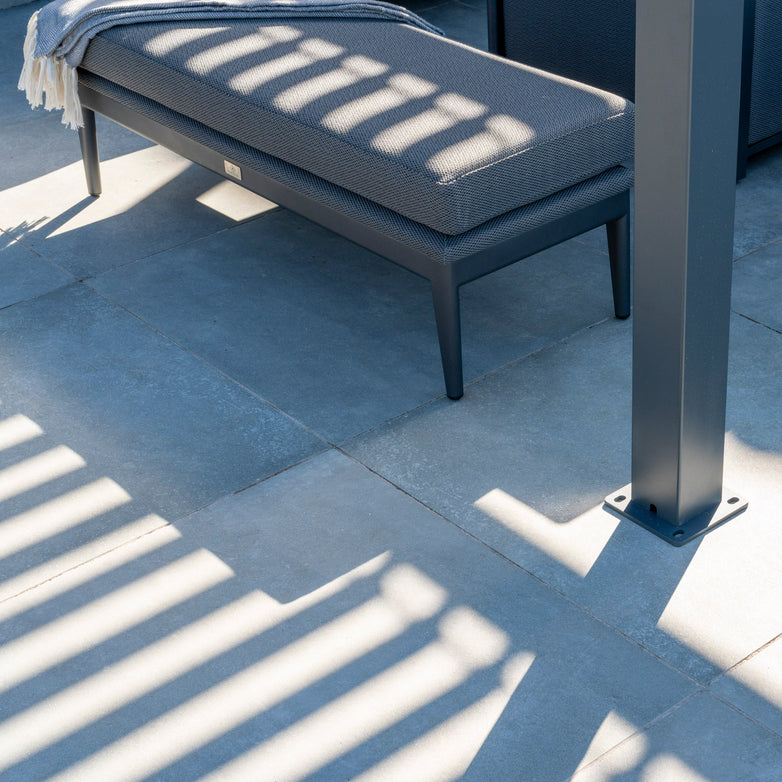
(589, 42)
(765, 115)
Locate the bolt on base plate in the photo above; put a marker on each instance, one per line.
(676, 534)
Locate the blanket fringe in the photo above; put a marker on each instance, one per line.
(50, 81)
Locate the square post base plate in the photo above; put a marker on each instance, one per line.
(676, 534)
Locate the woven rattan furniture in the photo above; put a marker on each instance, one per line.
(594, 41)
(446, 160)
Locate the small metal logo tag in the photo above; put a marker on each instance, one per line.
(232, 170)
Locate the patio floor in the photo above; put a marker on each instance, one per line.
(244, 536)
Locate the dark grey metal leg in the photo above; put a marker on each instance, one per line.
(445, 294)
(619, 255)
(89, 152)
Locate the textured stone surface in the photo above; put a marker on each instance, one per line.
(195, 585)
(318, 625)
(549, 438)
(339, 338)
(756, 293)
(737, 749)
(115, 400)
(24, 274)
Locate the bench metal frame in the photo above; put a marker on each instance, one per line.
(445, 278)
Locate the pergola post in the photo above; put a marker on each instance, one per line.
(688, 75)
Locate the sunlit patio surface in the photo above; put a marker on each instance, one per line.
(244, 535)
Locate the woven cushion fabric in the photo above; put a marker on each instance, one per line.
(435, 245)
(443, 134)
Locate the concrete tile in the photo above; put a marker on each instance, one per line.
(758, 216)
(151, 201)
(23, 274)
(341, 339)
(595, 238)
(549, 438)
(755, 686)
(701, 740)
(326, 331)
(13, 104)
(756, 286)
(319, 625)
(537, 432)
(40, 145)
(118, 402)
(754, 414)
(11, 3)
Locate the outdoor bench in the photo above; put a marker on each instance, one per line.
(444, 159)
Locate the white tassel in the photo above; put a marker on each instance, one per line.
(72, 116)
(29, 76)
(52, 78)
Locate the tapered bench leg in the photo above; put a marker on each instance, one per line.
(89, 152)
(619, 255)
(445, 294)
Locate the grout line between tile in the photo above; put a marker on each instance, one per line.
(87, 561)
(777, 240)
(537, 578)
(722, 699)
(184, 243)
(746, 659)
(645, 729)
(756, 322)
(213, 368)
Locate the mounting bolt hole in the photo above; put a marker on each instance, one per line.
(653, 508)
(733, 500)
(679, 533)
(620, 498)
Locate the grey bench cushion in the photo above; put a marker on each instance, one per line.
(440, 133)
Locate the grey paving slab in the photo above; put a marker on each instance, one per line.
(758, 211)
(754, 413)
(13, 104)
(328, 332)
(39, 146)
(756, 286)
(703, 739)
(320, 625)
(152, 200)
(24, 274)
(11, 3)
(755, 686)
(334, 335)
(131, 425)
(549, 437)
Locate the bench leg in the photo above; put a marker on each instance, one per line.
(89, 152)
(619, 254)
(445, 294)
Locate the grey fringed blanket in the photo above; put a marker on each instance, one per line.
(59, 33)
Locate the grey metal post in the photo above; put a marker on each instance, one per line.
(688, 73)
